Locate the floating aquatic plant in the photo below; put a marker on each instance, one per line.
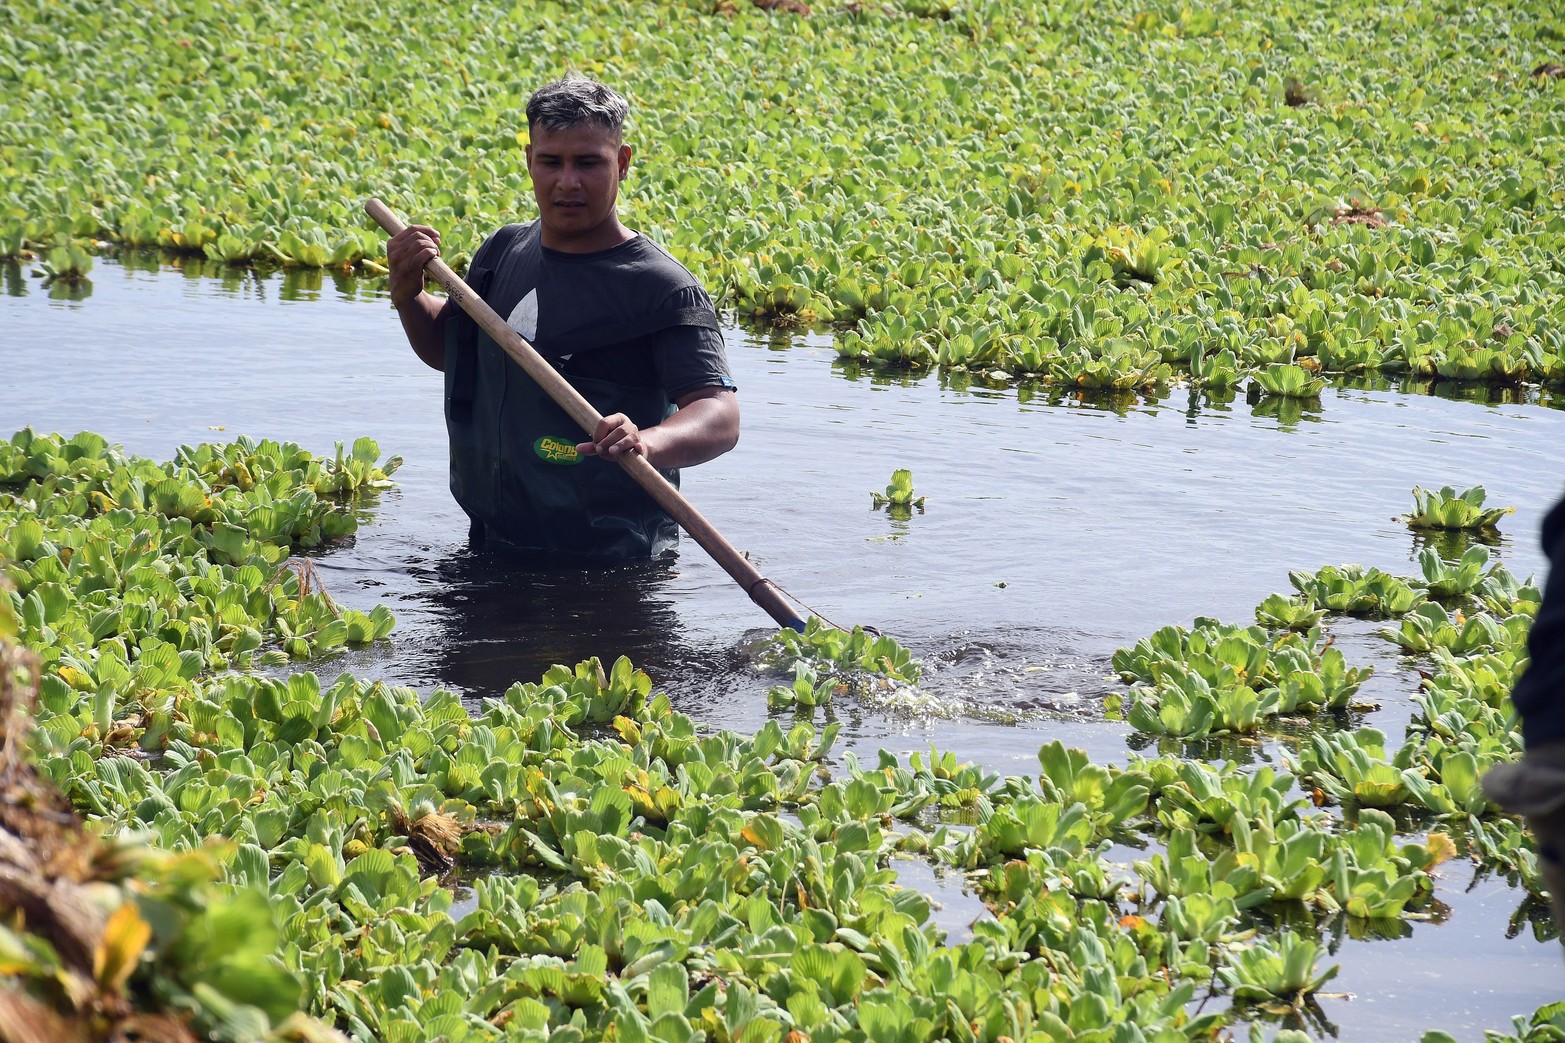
(1548, 1020)
(1453, 579)
(1110, 797)
(1288, 381)
(1198, 796)
(877, 654)
(1284, 968)
(1218, 371)
(1355, 590)
(1285, 613)
(898, 496)
(1430, 626)
(1445, 508)
(807, 690)
(1220, 678)
(1188, 705)
(1353, 768)
(1116, 365)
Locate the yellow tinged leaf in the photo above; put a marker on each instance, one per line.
(125, 937)
(1441, 847)
(628, 730)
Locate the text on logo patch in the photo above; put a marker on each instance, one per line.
(556, 450)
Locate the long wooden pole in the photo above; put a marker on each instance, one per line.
(762, 591)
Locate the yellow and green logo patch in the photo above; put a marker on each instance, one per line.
(553, 450)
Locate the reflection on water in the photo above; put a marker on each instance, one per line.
(504, 617)
(20, 278)
(1451, 544)
(11, 278)
(1288, 412)
(71, 290)
(288, 284)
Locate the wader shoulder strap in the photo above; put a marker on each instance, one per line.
(462, 331)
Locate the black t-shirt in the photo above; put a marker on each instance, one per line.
(630, 314)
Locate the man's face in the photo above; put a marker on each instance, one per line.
(576, 175)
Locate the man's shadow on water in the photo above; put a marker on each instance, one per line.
(506, 616)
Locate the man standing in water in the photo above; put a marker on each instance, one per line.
(623, 321)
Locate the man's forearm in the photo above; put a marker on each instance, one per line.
(423, 319)
(705, 426)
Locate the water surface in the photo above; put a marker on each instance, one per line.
(1056, 530)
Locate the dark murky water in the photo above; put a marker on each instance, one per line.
(1055, 532)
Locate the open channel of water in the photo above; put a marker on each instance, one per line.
(1056, 530)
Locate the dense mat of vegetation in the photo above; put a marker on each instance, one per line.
(1106, 195)
(1103, 195)
(636, 878)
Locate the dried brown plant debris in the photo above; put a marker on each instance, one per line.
(1356, 213)
(309, 580)
(49, 862)
(434, 838)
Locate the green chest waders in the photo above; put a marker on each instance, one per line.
(515, 469)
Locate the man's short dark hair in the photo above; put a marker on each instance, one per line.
(574, 102)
